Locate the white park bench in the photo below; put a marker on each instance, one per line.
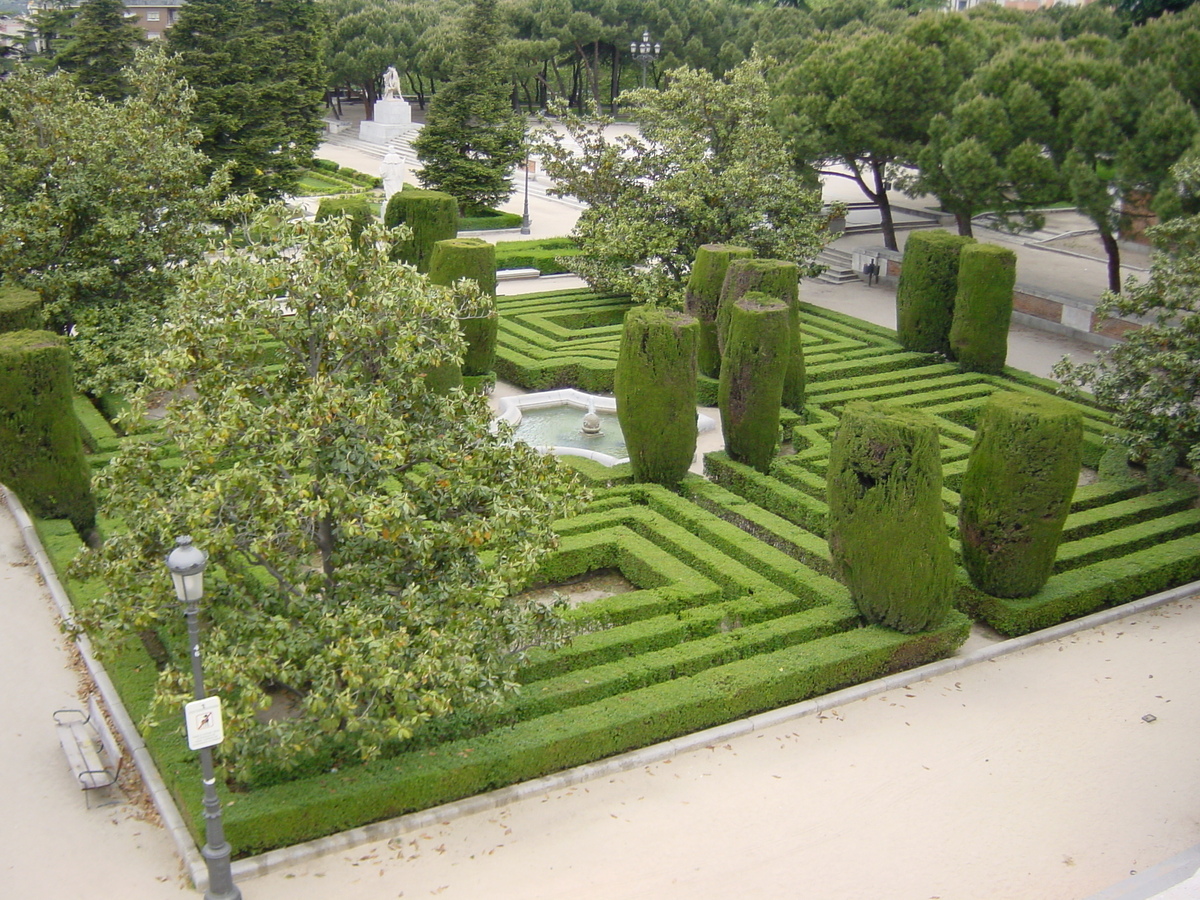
(91, 750)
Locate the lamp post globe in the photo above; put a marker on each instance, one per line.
(644, 52)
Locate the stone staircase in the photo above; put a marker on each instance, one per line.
(838, 266)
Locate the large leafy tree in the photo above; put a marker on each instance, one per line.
(472, 138)
(706, 168)
(100, 46)
(97, 222)
(1151, 380)
(858, 106)
(1111, 131)
(257, 67)
(368, 531)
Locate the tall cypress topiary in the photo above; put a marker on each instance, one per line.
(703, 295)
(356, 207)
(753, 369)
(983, 308)
(464, 258)
(886, 532)
(432, 216)
(41, 449)
(1017, 491)
(20, 310)
(655, 385)
(778, 279)
(472, 258)
(926, 290)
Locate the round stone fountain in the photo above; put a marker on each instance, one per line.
(568, 422)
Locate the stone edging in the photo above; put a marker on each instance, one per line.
(355, 837)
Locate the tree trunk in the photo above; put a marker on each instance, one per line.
(369, 101)
(964, 224)
(1114, 260)
(885, 206)
(614, 86)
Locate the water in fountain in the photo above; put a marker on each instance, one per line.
(559, 426)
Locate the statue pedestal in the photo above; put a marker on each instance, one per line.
(392, 118)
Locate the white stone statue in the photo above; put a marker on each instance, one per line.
(391, 170)
(391, 84)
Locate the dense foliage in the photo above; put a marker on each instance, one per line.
(258, 72)
(472, 138)
(100, 46)
(98, 223)
(1151, 381)
(706, 168)
(367, 531)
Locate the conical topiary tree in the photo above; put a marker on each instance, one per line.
(20, 310)
(926, 290)
(753, 369)
(41, 448)
(703, 295)
(778, 279)
(432, 216)
(1017, 491)
(655, 386)
(886, 531)
(983, 307)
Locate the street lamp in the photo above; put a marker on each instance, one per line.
(644, 52)
(525, 220)
(187, 563)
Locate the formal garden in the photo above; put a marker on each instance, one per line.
(848, 531)
(308, 397)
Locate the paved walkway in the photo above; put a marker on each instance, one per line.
(1033, 775)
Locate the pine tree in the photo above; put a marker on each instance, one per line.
(258, 72)
(472, 138)
(101, 45)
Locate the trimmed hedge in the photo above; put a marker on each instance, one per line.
(702, 297)
(926, 290)
(432, 216)
(1017, 491)
(480, 334)
(490, 220)
(655, 387)
(358, 208)
(20, 310)
(983, 307)
(754, 367)
(41, 449)
(780, 280)
(886, 532)
(459, 258)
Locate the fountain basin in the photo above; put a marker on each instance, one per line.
(608, 448)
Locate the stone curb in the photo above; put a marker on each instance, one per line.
(130, 736)
(262, 864)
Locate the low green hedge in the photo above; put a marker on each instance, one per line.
(490, 221)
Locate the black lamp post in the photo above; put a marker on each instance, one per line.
(187, 563)
(525, 220)
(644, 52)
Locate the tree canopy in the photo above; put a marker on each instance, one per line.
(101, 224)
(258, 72)
(705, 168)
(472, 138)
(1151, 380)
(100, 47)
(366, 533)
